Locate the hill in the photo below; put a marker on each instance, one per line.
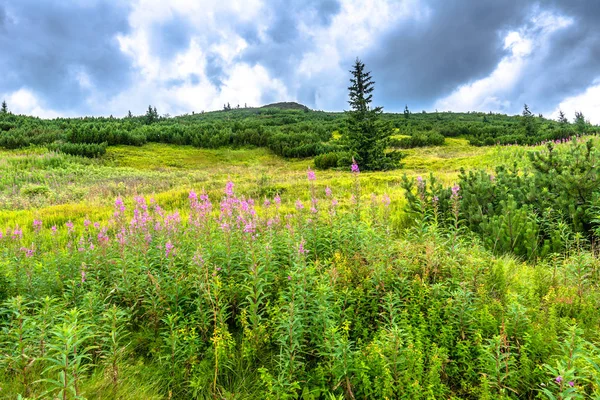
(287, 105)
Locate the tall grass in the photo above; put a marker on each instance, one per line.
(230, 296)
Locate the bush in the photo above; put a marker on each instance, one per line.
(90, 150)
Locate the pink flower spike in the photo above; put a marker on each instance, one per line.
(311, 175)
(354, 167)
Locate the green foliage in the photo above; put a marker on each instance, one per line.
(90, 150)
(547, 208)
(367, 138)
(224, 298)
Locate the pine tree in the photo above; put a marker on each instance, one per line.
(4, 109)
(562, 118)
(528, 121)
(406, 112)
(150, 115)
(367, 138)
(580, 123)
(129, 114)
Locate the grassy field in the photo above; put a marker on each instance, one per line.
(119, 279)
(36, 183)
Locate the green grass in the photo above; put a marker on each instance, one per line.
(38, 183)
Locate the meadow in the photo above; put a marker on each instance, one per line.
(170, 271)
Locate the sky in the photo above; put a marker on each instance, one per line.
(106, 57)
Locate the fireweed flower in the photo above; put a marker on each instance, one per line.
(354, 167)
(328, 191)
(571, 383)
(299, 205)
(277, 200)
(559, 379)
(386, 200)
(53, 229)
(455, 190)
(69, 226)
(37, 225)
(168, 248)
(311, 174)
(87, 223)
(229, 189)
(119, 205)
(301, 249)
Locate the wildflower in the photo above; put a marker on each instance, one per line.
(386, 200)
(311, 174)
(17, 233)
(83, 275)
(301, 249)
(37, 225)
(87, 223)
(119, 205)
(267, 203)
(168, 248)
(198, 260)
(571, 383)
(229, 189)
(435, 200)
(193, 196)
(53, 229)
(69, 226)
(97, 225)
(299, 205)
(455, 190)
(289, 277)
(559, 379)
(328, 191)
(354, 167)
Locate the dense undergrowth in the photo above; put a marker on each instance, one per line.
(291, 133)
(231, 298)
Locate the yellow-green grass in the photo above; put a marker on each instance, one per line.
(55, 187)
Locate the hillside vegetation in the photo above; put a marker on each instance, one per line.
(203, 256)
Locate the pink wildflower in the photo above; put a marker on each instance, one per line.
(311, 175)
(168, 248)
(354, 167)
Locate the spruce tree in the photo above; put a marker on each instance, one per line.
(150, 117)
(528, 121)
(4, 109)
(580, 122)
(562, 117)
(367, 137)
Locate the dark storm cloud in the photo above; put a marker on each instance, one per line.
(459, 42)
(571, 62)
(47, 44)
(462, 41)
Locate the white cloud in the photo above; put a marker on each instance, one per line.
(587, 102)
(24, 101)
